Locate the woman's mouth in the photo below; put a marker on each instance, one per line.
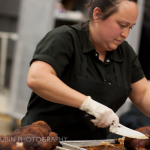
(118, 41)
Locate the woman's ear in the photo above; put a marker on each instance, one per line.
(97, 14)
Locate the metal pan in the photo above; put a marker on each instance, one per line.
(76, 145)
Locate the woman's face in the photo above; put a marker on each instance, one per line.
(108, 34)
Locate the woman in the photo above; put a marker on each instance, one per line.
(87, 69)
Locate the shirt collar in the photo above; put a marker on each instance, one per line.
(87, 45)
(116, 55)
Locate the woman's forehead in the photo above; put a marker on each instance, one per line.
(128, 11)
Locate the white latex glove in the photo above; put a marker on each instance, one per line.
(104, 115)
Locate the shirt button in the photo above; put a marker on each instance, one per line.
(96, 54)
(108, 60)
(109, 83)
(104, 80)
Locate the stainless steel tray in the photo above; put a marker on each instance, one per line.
(75, 145)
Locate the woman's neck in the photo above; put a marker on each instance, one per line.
(102, 56)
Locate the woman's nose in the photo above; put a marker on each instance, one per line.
(125, 32)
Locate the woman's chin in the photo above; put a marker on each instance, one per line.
(113, 47)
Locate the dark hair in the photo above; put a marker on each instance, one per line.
(108, 7)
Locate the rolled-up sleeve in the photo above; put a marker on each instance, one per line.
(137, 72)
(55, 49)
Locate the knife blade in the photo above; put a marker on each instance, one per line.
(127, 132)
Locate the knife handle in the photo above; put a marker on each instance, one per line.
(89, 116)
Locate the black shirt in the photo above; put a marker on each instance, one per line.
(65, 46)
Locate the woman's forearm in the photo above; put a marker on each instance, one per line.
(140, 95)
(42, 79)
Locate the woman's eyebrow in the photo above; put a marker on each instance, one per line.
(127, 22)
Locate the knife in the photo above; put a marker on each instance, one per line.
(127, 132)
(122, 130)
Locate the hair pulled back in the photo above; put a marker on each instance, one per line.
(108, 7)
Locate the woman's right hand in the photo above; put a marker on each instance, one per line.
(104, 116)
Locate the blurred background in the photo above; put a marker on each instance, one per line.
(23, 23)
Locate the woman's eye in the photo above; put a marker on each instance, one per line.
(131, 28)
(122, 26)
